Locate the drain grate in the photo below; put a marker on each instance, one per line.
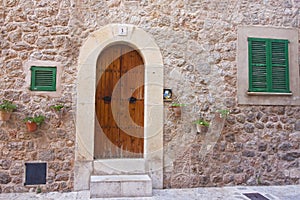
(35, 173)
(255, 196)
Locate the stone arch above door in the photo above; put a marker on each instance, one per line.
(86, 86)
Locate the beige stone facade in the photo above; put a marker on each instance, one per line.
(190, 46)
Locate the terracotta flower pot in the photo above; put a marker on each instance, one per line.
(31, 126)
(4, 116)
(201, 128)
(177, 111)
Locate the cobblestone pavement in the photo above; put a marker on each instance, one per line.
(291, 192)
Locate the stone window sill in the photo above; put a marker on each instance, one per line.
(268, 94)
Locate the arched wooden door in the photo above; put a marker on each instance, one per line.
(119, 104)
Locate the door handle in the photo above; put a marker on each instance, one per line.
(132, 100)
(107, 99)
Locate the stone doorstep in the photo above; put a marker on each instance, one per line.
(120, 186)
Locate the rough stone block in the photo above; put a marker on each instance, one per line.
(248, 153)
(295, 173)
(4, 178)
(297, 125)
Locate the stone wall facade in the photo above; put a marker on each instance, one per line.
(198, 41)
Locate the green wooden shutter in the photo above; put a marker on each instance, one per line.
(257, 65)
(268, 65)
(43, 78)
(280, 63)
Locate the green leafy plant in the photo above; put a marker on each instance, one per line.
(38, 190)
(57, 107)
(202, 122)
(38, 119)
(7, 106)
(177, 104)
(223, 112)
(259, 180)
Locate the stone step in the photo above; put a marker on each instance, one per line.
(120, 186)
(119, 166)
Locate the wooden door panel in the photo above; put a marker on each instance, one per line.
(131, 66)
(121, 134)
(105, 146)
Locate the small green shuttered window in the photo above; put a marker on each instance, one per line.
(268, 65)
(43, 78)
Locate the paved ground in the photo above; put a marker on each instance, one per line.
(291, 192)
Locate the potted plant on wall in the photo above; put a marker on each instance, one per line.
(201, 125)
(223, 113)
(33, 122)
(6, 108)
(58, 109)
(176, 107)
